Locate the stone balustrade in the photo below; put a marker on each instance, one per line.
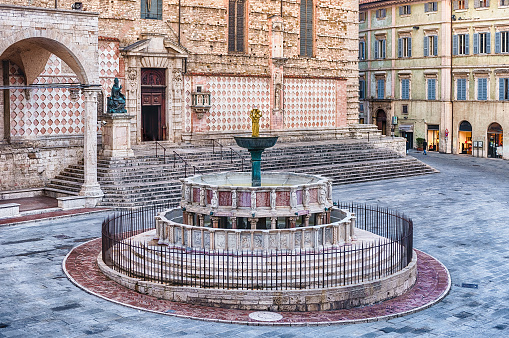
(281, 195)
(170, 231)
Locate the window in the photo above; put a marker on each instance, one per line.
(431, 45)
(381, 13)
(405, 89)
(502, 42)
(404, 10)
(362, 89)
(482, 89)
(431, 6)
(504, 3)
(404, 109)
(380, 89)
(362, 16)
(482, 43)
(460, 44)
(461, 89)
(460, 4)
(306, 28)
(152, 9)
(503, 89)
(380, 48)
(405, 47)
(361, 108)
(432, 89)
(236, 26)
(481, 3)
(362, 50)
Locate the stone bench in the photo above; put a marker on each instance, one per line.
(9, 210)
(72, 202)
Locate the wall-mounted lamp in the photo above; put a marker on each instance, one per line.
(415, 27)
(453, 17)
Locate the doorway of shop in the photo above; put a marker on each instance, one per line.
(433, 137)
(465, 138)
(495, 140)
(381, 121)
(153, 87)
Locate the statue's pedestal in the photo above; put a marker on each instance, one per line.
(116, 135)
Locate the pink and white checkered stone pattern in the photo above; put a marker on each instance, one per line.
(48, 111)
(231, 100)
(109, 64)
(310, 103)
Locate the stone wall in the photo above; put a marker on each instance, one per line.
(24, 167)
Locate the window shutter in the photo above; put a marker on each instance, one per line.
(309, 28)
(466, 4)
(501, 89)
(231, 26)
(401, 10)
(409, 47)
(477, 4)
(476, 43)
(377, 56)
(497, 43)
(409, 9)
(479, 89)
(434, 89)
(488, 43)
(383, 49)
(303, 28)
(435, 45)
(384, 13)
(240, 26)
(487, 3)
(426, 7)
(455, 5)
(467, 41)
(455, 45)
(400, 47)
(426, 45)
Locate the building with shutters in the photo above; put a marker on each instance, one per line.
(191, 70)
(437, 70)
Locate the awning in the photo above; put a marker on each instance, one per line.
(407, 128)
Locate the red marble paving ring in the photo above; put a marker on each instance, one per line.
(432, 285)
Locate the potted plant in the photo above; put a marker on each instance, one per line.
(419, 142)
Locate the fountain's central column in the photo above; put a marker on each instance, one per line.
(256, 145)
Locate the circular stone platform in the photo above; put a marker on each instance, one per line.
(432, 285)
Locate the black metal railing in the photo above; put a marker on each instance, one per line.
(231, 153)
(159, 145)
(254, 270)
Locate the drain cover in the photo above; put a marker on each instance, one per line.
(265, 316)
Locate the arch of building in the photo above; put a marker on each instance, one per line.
(495, 140)
(73, 37)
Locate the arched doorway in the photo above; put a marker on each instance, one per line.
(495, 140)
(465, 138)
(381, 121)
(69, 36)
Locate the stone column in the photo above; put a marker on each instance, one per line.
(190, 218)
(253, 222)
(293, 222)
(306, 220)
(276, 62)
(90, 185)
(273, 222)
(319, 219)
(184, 217)
(234, 222)
(201, 220)
(215, 221)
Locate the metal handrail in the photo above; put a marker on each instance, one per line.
(164, 151)
(232, 151)
(175, 155)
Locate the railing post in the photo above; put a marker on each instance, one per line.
(164, 155)
(156, 149)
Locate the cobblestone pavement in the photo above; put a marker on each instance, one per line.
(460, 217)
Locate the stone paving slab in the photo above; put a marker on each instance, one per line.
(33, 203)
(49, 215)
(460, 217)
(432, 285)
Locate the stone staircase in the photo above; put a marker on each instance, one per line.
(156, 180)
